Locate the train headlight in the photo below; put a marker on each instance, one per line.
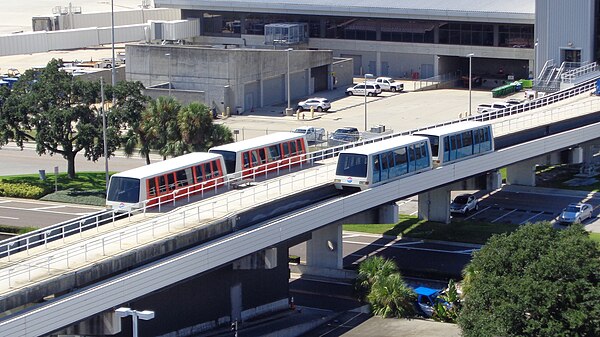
(337, 180)
(364, 182)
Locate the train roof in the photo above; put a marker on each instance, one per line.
(258, 141)
(451, 128)
(385, 145)
(172, 164)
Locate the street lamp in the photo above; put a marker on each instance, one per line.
(145, 315)
(288, 82)
(103, 111)
(169, 72)
(535, 48)
(470, 56)
(366, 76)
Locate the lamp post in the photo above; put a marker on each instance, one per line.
(112, 30)
(145, 315)
(366, 76)
(169, 72)
(470, 56)
(289, 107)
(103, 111)
(535, 48)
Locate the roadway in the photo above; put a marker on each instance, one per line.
(36, 213)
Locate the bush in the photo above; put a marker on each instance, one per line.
(91, 197)
(21, 190)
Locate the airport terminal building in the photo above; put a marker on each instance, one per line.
(402, 39)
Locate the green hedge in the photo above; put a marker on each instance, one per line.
(90, 197)
(21, 190)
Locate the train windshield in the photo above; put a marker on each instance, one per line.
(124, 189)
(229, 158)
(352, 165)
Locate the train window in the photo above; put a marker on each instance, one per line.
(208, 171)
(453, 147)
(199, 175)
(446, 149)
(182, 179)
(300, 145)
(217, 169)
(376, 169)
(162, 186)
(124, 189)
(286, 150)
(255, 158)
(400, 166)
(352, 165)
(274, 152)
(263, 156)
(435, 145)
(230, 159)
(246, 159)
(171, 181)
(190, 176)
(151, 187)
(293, 147)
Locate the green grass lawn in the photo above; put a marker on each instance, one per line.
(595, 237)
(557, 176)
(411, 226)
(86, 188)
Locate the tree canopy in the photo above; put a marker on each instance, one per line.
(62, 115)
(537, 281)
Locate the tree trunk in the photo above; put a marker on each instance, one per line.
(148, 158)
(71, 164)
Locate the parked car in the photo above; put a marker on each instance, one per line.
(312, 134)
(388, 84)
(464, 203)
(426, 299)
(576, 213)
(318, 103)
(343, 136)
(372, 89)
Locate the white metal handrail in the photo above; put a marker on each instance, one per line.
(42, 237)
(571, 75)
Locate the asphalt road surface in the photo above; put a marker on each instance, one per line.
(34, 213)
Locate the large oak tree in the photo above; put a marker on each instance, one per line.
(537, 281)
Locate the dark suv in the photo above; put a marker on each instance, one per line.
(346, 134)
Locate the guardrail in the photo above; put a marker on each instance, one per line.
(44, 236)
(571, 75)
(427, 82)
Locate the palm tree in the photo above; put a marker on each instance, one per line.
(374, 268)
(391, 297)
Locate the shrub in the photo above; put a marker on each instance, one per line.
(91, 197)
(21, 190)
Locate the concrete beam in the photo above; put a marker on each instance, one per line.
(324, 250)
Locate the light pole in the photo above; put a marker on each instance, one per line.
(289, 107)
(169, 72)
(535, 48)
(145, 315)
(112, 70)
(470, 56)
(366, 76)
(103, 111)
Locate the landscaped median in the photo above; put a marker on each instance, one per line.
(87, 188)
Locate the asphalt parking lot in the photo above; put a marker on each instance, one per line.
(519, 205)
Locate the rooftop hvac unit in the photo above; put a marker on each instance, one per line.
(378, 129)
(286, 33)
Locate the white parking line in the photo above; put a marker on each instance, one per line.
(47, 207)
(514, 210)
(8, 217)
(43, 211)
(527, 220)
(474, 214)
(4, 201)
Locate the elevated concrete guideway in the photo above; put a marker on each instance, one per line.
(111, 293)
(137, 234)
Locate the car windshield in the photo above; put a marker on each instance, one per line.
(572, 209)
(461, 199)
(300, 130)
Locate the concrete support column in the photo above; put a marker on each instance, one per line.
(378, 64)
(522, 173)
(310, 85)
(388, 213)
(496, 35)
(436, 65)
(324, 250)
(436, 34)
(494, 180)
(434, 205)
(589, 149)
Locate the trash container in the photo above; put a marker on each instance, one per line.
(42, 174)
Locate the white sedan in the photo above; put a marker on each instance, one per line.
(576, 213)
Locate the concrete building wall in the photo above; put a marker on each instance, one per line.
(255, 77)
(564, 25)
(342, 70)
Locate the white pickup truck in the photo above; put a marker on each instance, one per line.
(388, 84)
(312, 134)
